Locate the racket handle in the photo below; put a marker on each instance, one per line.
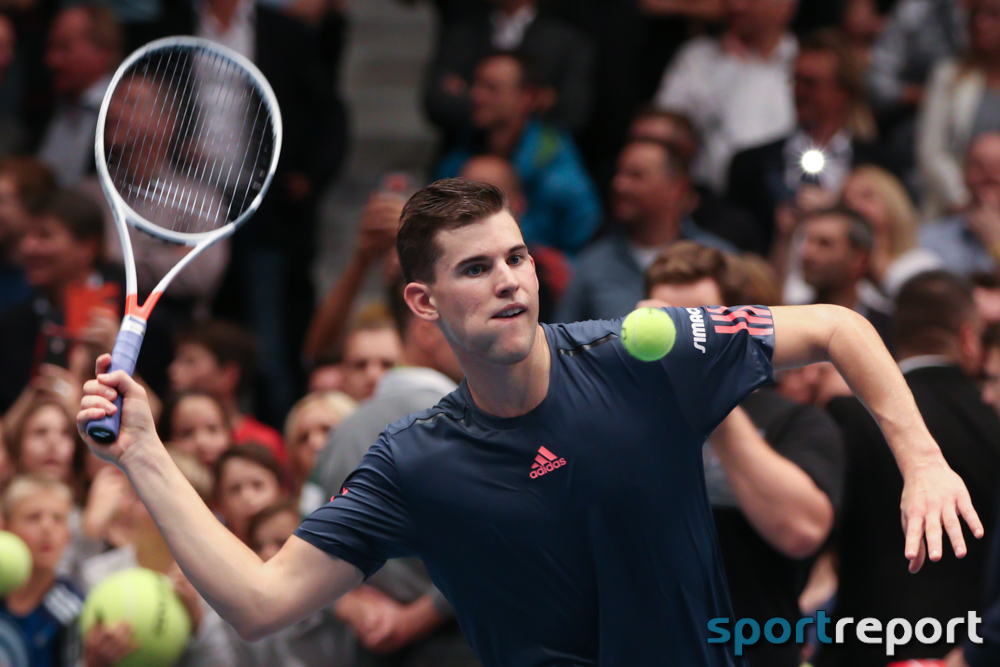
(123, 357)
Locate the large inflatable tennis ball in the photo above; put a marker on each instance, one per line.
(15, 562)
(146, 601)
(648, 333)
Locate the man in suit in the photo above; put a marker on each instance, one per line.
(937, 334)
(831, 117)
(267, 285)
(562, 53)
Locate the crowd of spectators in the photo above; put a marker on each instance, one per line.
(652, 151)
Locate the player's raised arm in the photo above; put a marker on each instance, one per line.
(255, 597)
(933, 495)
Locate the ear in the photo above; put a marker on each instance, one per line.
(420, 300)
(971, 344)
(229, 377)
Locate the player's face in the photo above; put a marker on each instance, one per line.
(704, 292)
(272, 534)
(42, 521)
(47, 444)
(485, 293)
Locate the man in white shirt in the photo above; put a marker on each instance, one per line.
(84, 49)
(737, 87)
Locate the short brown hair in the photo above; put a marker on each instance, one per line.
(674, 160)
(687, 262)
(228, 343)
(286, 506)
(931, 309)
(32, 178)
(443, 205)
(77, 212)
(105, 30)
(255, 453)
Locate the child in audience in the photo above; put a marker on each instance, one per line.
(247, 479)
(44, 442)
(220, 358)
(39, 620)
(195, 422)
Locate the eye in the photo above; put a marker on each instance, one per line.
(516, 258)
(474, 270)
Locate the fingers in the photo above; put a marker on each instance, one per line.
(970, 515)
(103, 364)
(918, 562)
(932, 534)
(914, 528)
(954, 529)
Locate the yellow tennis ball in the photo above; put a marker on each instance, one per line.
(15, 562)
(146, 601)
(648, 333)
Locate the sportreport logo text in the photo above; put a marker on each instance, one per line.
(897, 631)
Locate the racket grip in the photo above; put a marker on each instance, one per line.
(123, 357)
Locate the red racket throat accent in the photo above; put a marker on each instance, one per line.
(133, 308)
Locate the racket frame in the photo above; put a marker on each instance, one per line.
(133, 326)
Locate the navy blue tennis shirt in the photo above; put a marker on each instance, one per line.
(579, 533)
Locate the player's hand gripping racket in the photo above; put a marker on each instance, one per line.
(187, 142)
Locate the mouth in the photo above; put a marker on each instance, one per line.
(511, 312)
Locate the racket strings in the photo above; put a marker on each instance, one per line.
(189, 139)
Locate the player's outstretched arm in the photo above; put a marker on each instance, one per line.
(933, 495)
(256, 598)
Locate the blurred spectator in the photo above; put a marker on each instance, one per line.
(44, 443)
(990, 374)
(986, 292)
(60, 253)
(879, 197)
(195, 423)
(969, 241)
(85, 45)
(39, 619)
(832, 117)
(862, 24)
(375, 242)
(319, 640)
(248, 479)
(309, 426)
(836, 258)
(429, 371)
(23, 182)
(268, 285)
(962, 102)
(650, 197)
(937, 334)
(563, 208)
(917, 36)
(563, 55)
(736, 87)
(709, 212)
(221, 359)
(105, 645)
(6, 465)
(372, 347)
(13, 133)
(774, 468)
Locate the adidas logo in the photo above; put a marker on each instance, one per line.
(545, 462)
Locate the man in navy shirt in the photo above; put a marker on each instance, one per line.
(557, 497)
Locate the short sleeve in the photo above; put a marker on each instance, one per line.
(720, 355)
(367, 523)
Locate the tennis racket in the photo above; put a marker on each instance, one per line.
(188, 139)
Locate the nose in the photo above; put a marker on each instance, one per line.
(506, 283)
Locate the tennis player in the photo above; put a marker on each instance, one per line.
(557, 497)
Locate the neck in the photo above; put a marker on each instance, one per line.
(824, 130)
(839, 295)
(656, 232)
(762, 44)
(151, 552)
(511, 391)
(26, 598)
(502, 139)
